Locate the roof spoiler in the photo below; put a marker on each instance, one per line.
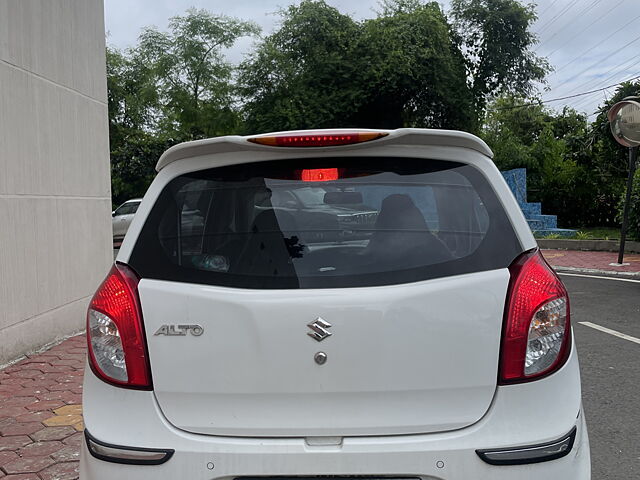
(402, 136)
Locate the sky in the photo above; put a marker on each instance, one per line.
(591, 44)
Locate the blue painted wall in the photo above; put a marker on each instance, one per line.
(539, 223)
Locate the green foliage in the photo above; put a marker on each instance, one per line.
(413, 70)
(408, 67)
(552, 236)
(499, 45)
(583, 236)
(563, 156)
(191, 75)
(404, 68)
(302, 76)
(171, 87)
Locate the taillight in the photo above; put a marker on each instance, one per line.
(115, 334)
(316, 139)
(319, 175)
(537, 332)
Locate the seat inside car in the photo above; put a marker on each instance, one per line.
(402, 236)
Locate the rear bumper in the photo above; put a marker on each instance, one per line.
(521, 415)
(371, 457)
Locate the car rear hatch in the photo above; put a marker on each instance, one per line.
(267, 315)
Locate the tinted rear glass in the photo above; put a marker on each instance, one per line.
(335, 222)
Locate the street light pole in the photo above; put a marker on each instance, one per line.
(633, 155)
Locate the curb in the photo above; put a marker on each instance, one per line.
(42, 349)
(592, 271)
(590, 245)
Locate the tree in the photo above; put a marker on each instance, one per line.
(191, 74)
(557, 150)
(412, 71)
(169, 88)
(498, 43)
(305, 74)
(406, 67)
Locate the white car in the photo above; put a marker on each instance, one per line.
(239, 337)
(122, 217)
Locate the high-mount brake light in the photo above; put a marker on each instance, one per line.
(316, 139)
(115, 333)
(319, 175)
(536, 336)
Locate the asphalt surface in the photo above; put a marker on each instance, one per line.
(610, 369)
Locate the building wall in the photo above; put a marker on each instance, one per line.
(55, 201)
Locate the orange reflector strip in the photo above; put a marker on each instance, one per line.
(319, 175)
(317, 139)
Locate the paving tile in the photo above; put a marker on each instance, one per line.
(75, 399)
(52, 433)
(61, 471)
(28, 464)
(13, 411)
(13, 381)
(44, 405)
(68, 361)
(22, 476)
(75, 440)
(42, 384)
(63, 395)
(7, 456)
(60, 420)
(21, 428)
(41, 414)
(26, 374)
(69, 410)
(29, 391)
(39, 449)
(592, 260)
(33, 416)
(5, 422)
(22, 401)
(69, 453)
(14, 442)
(42, 358)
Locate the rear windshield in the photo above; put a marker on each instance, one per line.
(338, 222)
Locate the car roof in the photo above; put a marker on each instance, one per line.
(402, 136)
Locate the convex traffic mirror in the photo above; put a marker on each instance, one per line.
(624, 118)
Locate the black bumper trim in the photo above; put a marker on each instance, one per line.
(528, 454)
(126, 455)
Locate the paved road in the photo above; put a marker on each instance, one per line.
(610, 372)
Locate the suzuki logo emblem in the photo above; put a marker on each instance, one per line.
(319, 329)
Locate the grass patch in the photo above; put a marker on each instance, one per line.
(601, 233)
(587, 233)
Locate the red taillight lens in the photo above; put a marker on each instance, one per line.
(316, 139)
(537, 331)
(319, 175)
(115, 334)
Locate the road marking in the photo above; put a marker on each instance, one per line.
(598, 277)
(611, 332)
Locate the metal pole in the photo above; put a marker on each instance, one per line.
(633, 155)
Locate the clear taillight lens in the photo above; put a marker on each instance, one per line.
(106, 346)
(537, 331)
(546, 336)
(115, 333)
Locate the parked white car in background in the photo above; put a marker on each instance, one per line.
(354, 304)
(122, 217)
